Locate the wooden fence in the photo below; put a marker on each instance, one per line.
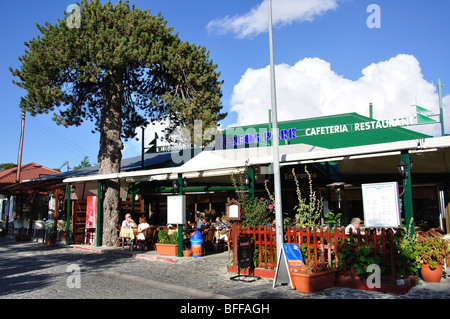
(325, 244)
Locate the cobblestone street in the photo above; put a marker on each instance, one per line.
(32, 271)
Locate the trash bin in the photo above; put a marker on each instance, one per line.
(196, 244)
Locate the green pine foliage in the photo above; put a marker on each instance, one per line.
(121, 68)
(69, 71)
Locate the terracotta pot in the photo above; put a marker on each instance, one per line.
(310, 282)
(186, 253)
(167, 249)
(431, 275)
(50, 242)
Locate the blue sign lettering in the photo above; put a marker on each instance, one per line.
(265, 136)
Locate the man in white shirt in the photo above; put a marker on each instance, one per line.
(353, 227)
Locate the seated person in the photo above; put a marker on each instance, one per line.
(202, 223)
(222, 227)
(128, 222)
(353, 226)
(142, 225)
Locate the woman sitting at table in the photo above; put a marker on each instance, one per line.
(142, 225)
(128, 222)
(222, 227)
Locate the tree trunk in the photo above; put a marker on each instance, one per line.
(110, 155)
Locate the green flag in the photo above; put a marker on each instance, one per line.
(422, 119)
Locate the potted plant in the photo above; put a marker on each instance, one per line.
(167, 244)
(431, 255)
(61, 227)
(313, 278)
(51, 234)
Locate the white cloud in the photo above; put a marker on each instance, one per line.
(311, 88)
(284, 12)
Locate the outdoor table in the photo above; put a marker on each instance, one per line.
(129, 233)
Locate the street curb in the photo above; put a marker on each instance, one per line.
(126, 253)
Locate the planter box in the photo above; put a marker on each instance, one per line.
(167, 249)
(308, 283)
(390, 288)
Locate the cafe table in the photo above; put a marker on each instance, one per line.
(128, 233)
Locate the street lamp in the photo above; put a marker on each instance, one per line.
(402, 169)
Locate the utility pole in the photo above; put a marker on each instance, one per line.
(19, 159)
(441, 108)
(275, 150)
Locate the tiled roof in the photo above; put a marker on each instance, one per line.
(28, 171)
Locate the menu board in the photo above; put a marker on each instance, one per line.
(381, 205)
(176, 209)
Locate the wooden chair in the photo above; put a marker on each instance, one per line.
(208, 239)
(149, 240)
(118, 241)
(229, 240)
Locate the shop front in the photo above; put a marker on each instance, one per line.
(341, 153)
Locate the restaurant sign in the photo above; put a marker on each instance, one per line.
(360, 126)
(251, 136)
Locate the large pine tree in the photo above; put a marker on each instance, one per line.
(120, 67)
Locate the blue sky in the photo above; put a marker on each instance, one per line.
(328, 61)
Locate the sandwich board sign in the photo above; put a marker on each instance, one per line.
(290, 261)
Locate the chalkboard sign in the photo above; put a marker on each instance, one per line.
(381, 205)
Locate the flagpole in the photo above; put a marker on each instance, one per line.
(275, 150)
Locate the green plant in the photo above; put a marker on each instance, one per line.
(431, 251)
(333, 219)
(258, 211)
(164, 238)
(359, 258)
(51, 231)
(308, 214)
(406, 253)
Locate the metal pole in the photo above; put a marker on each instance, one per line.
(407, 194)
(441, 108)
(19, 160)
(276, 157)
(99, 228)
(69, 213)
(180, 227)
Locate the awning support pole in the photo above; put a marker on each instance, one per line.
(275, 150)
(407, 194)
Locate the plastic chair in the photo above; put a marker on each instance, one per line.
(17, 226)
(38, 227)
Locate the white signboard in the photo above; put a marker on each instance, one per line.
(381, 205)
(176, 209)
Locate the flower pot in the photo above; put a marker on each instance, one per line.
(62, 236)
(167, 249)
(50, 242)
(307, 283)
(186, 253)
(431, 275)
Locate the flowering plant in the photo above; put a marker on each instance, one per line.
(432, 251)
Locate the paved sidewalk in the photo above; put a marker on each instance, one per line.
(31, 270)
